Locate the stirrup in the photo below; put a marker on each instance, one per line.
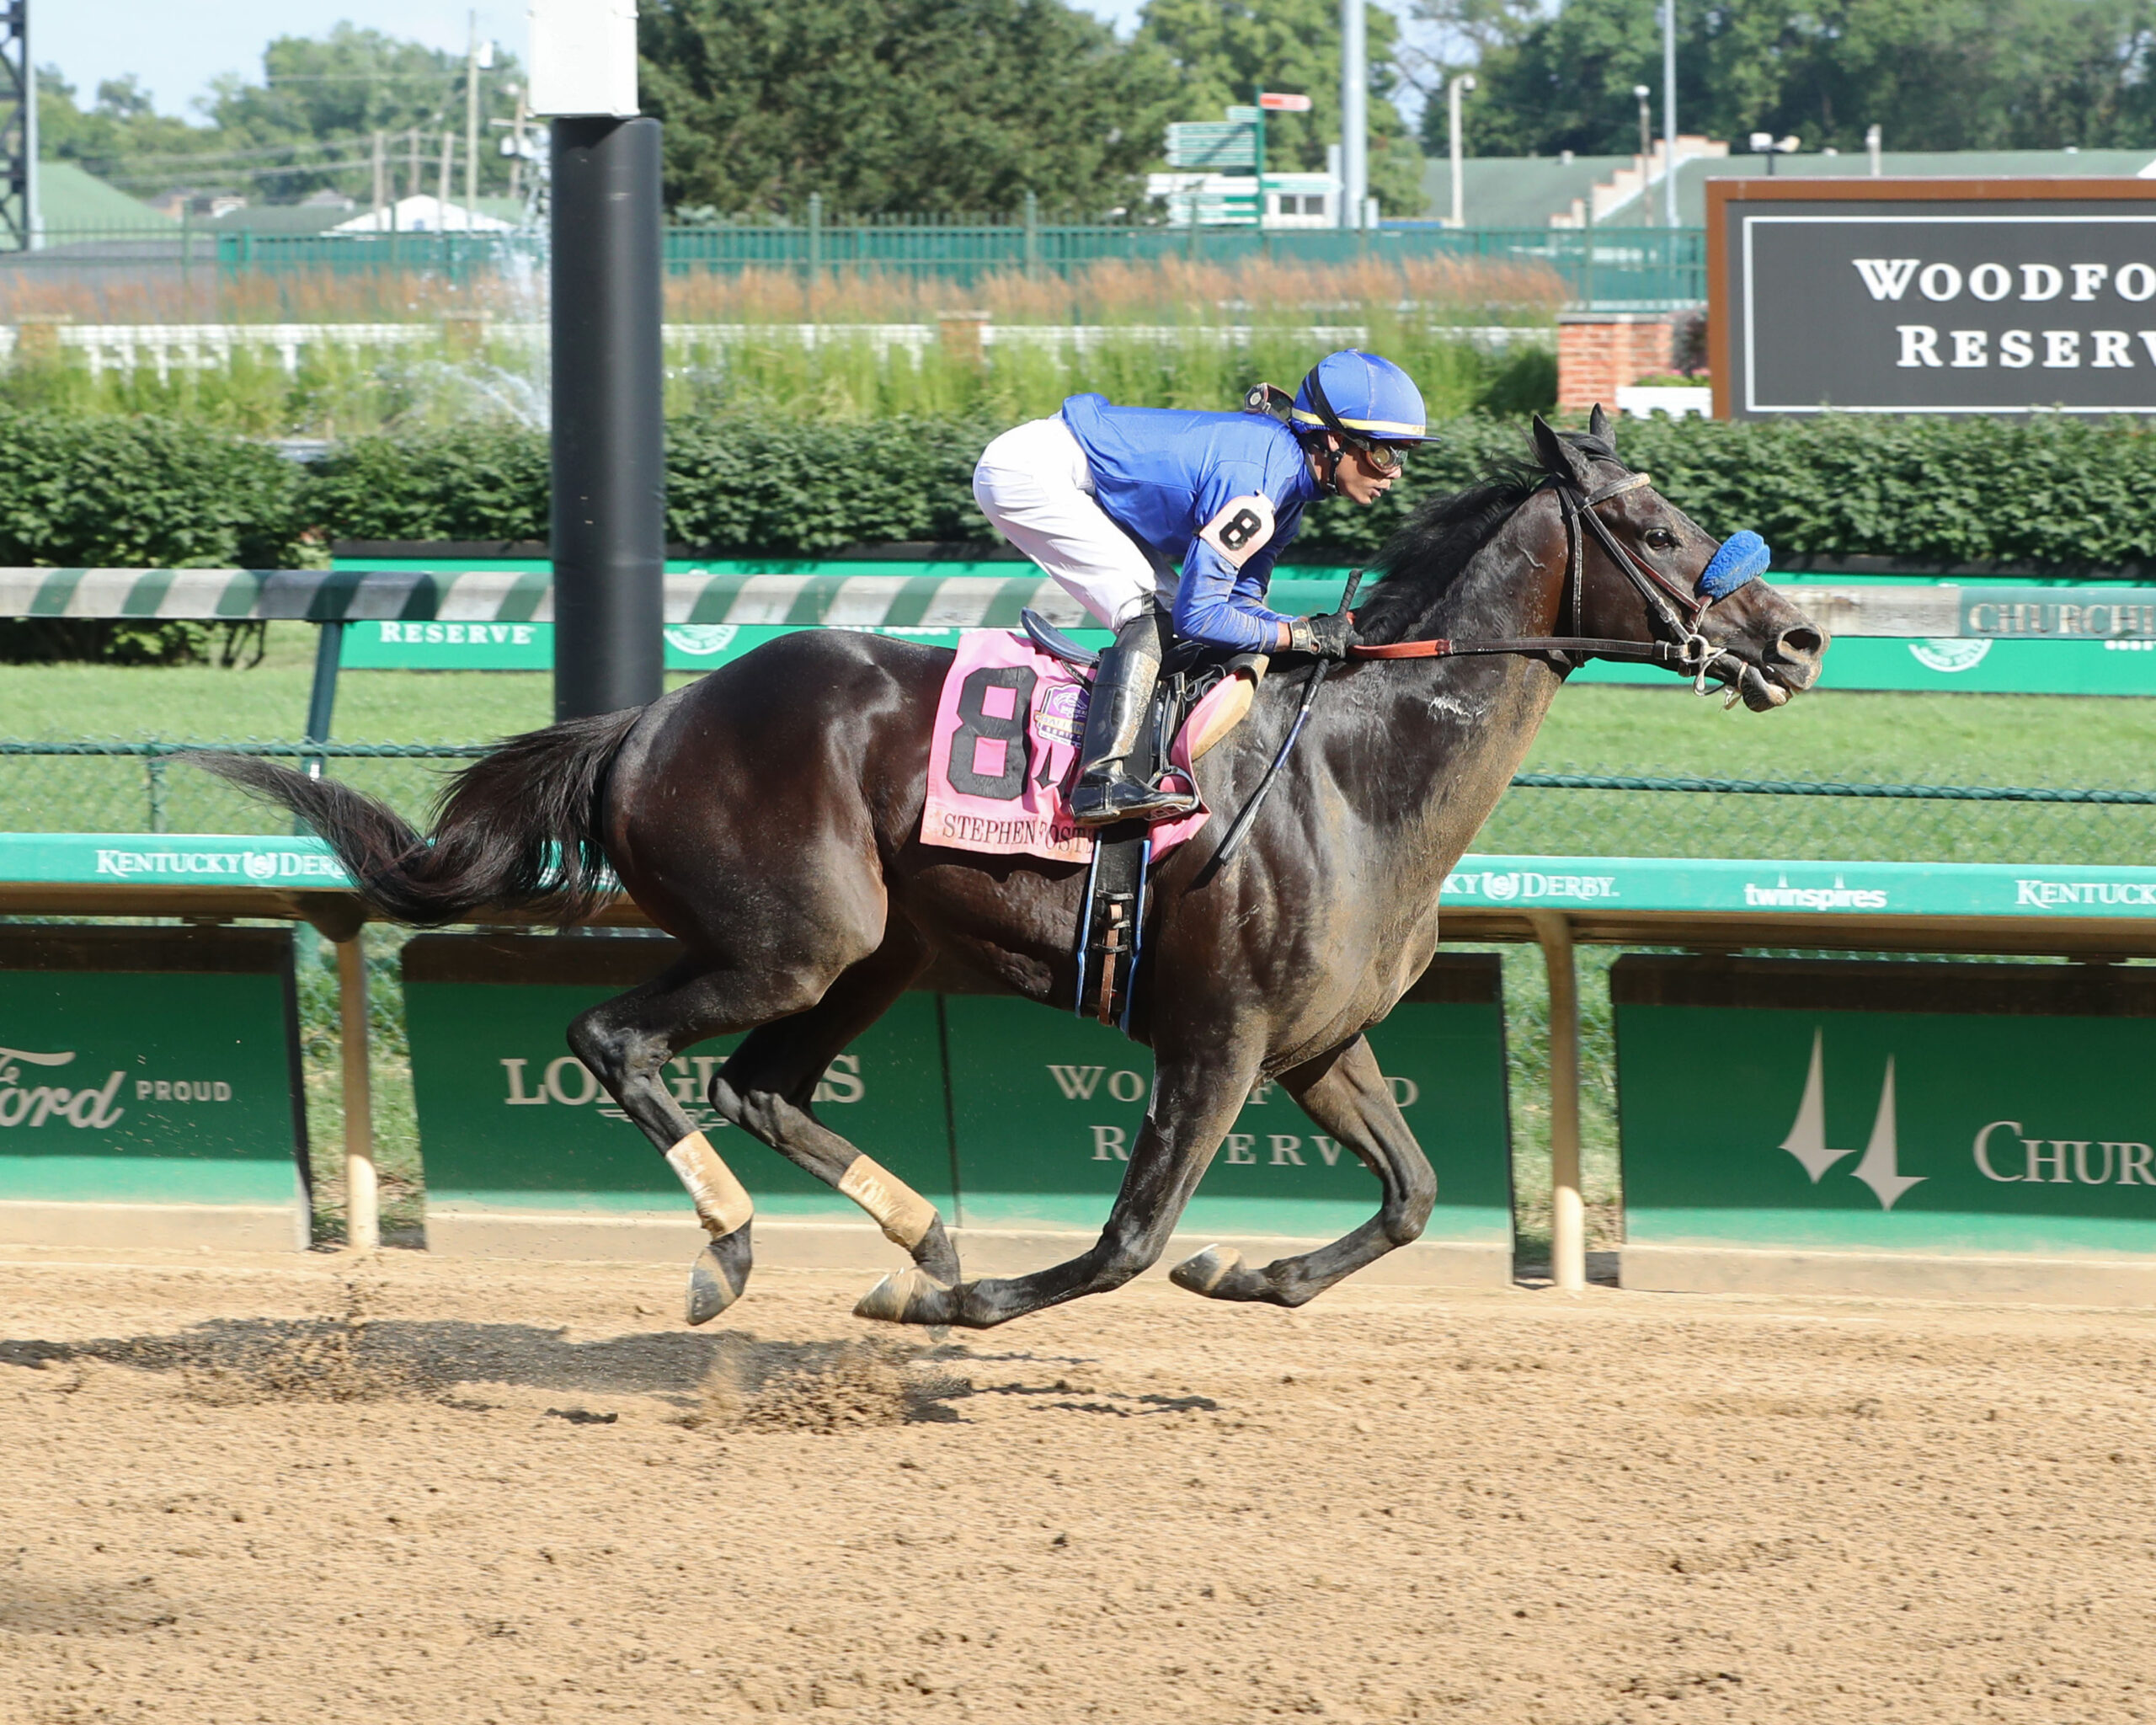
(1123, 797)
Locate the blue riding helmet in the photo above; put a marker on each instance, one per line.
(1361, 398)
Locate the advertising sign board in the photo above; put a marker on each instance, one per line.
(1932, 296)
(508, 1119)
(1871, 1109)
(1005, 1115)
(529, 646)
(155, 1070)
(525, 643)
(1045, 1106)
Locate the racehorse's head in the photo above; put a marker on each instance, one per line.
(1639, 570)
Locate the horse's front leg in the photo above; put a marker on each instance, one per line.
(1195, 1100)
(1346, 1095)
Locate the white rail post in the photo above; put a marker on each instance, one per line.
(1567, 1207)
(362, 1200)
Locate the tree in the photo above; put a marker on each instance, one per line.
(307, 124)
(1226, 50)
(119, 124)
(324, 97)
(1937, 74)
(912, 106)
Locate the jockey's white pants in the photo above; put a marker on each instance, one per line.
(1034, 484)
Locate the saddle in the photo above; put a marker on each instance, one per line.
(1191, 671)
(1200, 686)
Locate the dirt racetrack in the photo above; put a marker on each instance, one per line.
(411, 1490)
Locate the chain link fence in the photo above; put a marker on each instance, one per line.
(146, 787)
(1562, 811)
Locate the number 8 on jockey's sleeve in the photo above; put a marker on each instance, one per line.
(1109, 499)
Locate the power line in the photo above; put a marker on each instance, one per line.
(447, 76)
(295, 148)
(268, 172)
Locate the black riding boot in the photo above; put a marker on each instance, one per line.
(1115, 720)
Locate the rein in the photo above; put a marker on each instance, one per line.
(1676, 614)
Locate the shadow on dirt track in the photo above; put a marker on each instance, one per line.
(720, 1378)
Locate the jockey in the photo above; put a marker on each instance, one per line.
(1108, 500)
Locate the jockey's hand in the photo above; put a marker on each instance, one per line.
(1328, 634)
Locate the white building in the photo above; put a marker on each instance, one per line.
(423, 213)
(1292, 201)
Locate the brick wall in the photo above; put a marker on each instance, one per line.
(1599, 353)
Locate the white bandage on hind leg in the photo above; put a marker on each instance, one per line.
(722, 1204)
(904, 1215)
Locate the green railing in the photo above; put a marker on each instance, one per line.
(96, 786)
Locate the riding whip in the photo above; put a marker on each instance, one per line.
(1229, 845)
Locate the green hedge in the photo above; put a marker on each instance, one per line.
(2054, 493)
(128, 493)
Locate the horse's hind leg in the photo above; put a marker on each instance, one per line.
(1346, 1094)
(627, 1043)
(767, 1087)
(1195, 1103)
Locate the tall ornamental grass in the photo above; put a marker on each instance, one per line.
(845, 346)
(1172, 289)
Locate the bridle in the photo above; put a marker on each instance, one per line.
(1676, 614)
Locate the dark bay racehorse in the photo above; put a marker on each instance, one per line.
(768, 816)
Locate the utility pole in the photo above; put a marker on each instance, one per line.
(1354, 113)
(413, 184)
(1668, 112)
(20, 229)
(516, 133)
(1457, 86)
(381, 174)
(448, 168)
(1872, 145)
(1641, 94)
(479, 57)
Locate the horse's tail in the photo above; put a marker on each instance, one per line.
(518, 829)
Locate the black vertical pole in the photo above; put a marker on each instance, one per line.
(609, 437)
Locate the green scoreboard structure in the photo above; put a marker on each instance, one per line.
(1013, 1119)
(1839, 1126)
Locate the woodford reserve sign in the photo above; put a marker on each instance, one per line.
(1932, 296)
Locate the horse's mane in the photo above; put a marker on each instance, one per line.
(1426, 554)
(1436, 542)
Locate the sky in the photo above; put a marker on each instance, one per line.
(175, 47)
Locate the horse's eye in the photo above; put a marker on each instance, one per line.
(1662, 539)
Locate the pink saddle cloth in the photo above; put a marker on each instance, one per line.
(1008, 725)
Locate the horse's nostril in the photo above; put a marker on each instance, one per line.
(1802, 642)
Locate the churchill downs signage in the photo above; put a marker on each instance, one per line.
(1937, 296)
(1988, 1108)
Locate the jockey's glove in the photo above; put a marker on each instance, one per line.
(1328, 635)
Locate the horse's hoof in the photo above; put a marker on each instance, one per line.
(718, 1276)
(1205, 1273)
(910, 1297)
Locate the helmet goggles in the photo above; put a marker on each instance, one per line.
(1386, 457)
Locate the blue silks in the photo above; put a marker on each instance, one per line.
(1743, 556)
